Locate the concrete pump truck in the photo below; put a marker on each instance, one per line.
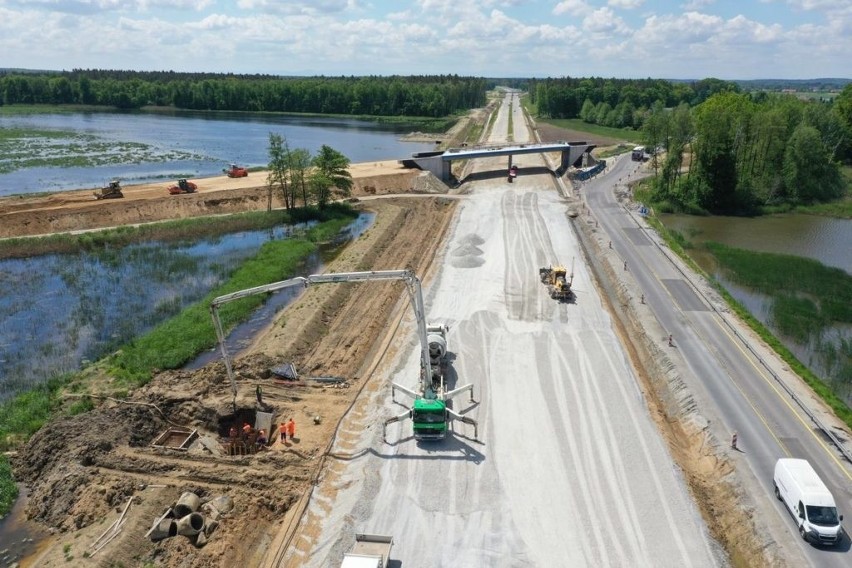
(429, 413)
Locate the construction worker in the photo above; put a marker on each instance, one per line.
(282, 429)
(261, 438)
(246, 428)
(291, 429)
(259, 393)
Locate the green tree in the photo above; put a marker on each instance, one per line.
(587, 111)
(331, 172)
(809, 172)
(300, 164)
(278, 177)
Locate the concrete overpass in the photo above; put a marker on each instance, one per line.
(440, 163)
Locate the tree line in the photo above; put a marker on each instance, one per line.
(617, 103)
(426, 96)
(736, 153)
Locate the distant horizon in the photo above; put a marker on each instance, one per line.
(738, 41)
(682, 80)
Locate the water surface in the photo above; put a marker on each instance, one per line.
(139, 147)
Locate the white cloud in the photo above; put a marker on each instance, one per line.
(313, 7)
(604, 20)
(829, 5)
(487, 38)
(572, 8)
(626, 4)
(695, 5)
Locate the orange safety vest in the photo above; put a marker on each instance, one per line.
(282, 428)
(291, 427)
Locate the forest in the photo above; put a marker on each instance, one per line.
(617, 103)
(414, 96)
(739, 153)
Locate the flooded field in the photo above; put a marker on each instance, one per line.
(59, 311)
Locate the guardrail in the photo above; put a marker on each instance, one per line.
(799, 402)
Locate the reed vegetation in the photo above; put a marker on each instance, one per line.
(8, 489)
(809, 295)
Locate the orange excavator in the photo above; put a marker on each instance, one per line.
(183, 186)
(235, 171)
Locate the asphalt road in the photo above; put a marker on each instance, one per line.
(742, 394)
(569, 469)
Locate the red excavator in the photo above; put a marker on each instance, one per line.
(235, 171)
(183, 186)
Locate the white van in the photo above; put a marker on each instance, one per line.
(807, 498)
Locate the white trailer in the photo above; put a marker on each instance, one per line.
(369, 551)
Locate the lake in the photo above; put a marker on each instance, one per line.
(79, 150)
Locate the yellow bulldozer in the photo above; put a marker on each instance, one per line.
(558, 282)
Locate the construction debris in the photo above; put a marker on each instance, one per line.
(111, 532)
(185, 518)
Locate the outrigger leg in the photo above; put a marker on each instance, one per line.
(403, 416)
(409, 392)
(458, 391)
(466, 420)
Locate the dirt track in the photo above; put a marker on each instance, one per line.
(79, 210)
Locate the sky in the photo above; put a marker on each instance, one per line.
(668, 39)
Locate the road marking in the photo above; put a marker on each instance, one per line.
(774, 388)
(686, 298)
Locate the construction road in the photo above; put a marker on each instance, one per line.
(735, 387)
(569, 469)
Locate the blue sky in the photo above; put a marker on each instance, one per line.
(689, 39)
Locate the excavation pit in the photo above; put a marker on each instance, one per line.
(176, 439)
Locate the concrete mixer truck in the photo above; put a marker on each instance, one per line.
(429, 412)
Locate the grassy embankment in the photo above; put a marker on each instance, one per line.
(807, 296)
(510, 130)
(135, 363)
(191, 228)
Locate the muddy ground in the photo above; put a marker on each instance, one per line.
(82, 470)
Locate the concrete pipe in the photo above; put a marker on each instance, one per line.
(190, 525)
(188, 503)
(166, 529)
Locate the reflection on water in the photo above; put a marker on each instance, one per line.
(58, 311)
(823, 239)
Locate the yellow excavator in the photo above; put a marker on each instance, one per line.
(558, 282)
(111, 191)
